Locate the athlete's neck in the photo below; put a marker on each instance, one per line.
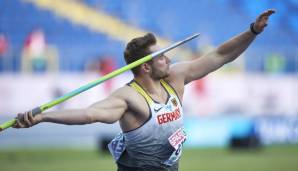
(152, 86)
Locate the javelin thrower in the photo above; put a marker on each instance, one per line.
(149, 108)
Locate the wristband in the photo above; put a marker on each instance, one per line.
(253, 30)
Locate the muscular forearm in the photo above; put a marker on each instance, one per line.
(68, 117)
(232, 48)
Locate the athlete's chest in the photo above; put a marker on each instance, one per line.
(162, 113)
(168, 112)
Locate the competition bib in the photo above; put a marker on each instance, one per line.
(176, 140)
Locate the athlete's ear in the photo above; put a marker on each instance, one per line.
(146, 67)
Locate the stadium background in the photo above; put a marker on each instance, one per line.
(50, 47)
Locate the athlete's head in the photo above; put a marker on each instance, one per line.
(142, 46)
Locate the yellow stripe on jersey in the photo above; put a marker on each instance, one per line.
(168, 88)
(142, 92)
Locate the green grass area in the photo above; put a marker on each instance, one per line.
(276, 158)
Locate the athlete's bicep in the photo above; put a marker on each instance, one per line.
(109, 110)
(198, 68)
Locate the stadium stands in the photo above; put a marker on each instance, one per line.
(216, 20)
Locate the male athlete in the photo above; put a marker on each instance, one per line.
(149, 108)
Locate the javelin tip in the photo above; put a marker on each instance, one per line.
(174, 45)
(194, 35)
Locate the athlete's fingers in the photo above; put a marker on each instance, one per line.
(26, 119)
(19, 123)
(265, 15)
(30, 117)
(21, 120)
(270, 11)
(16, 125)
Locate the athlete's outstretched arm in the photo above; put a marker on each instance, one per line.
(108, 110)
(226, 52)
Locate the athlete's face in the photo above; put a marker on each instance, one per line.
(160, 65)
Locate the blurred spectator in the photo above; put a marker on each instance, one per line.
(3, 50)
(199, 104)
(37, 56)
(199, 85)
(3, 45)
(103, 65)
(107, 65)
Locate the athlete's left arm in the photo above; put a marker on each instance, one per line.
(226, 52)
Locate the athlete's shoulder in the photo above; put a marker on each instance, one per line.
(124, 92)
(131, 97)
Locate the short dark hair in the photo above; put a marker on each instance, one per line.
(138, 48)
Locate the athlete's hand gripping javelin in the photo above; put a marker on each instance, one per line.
(27, 120)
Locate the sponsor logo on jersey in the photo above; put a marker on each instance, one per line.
(157, 109)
